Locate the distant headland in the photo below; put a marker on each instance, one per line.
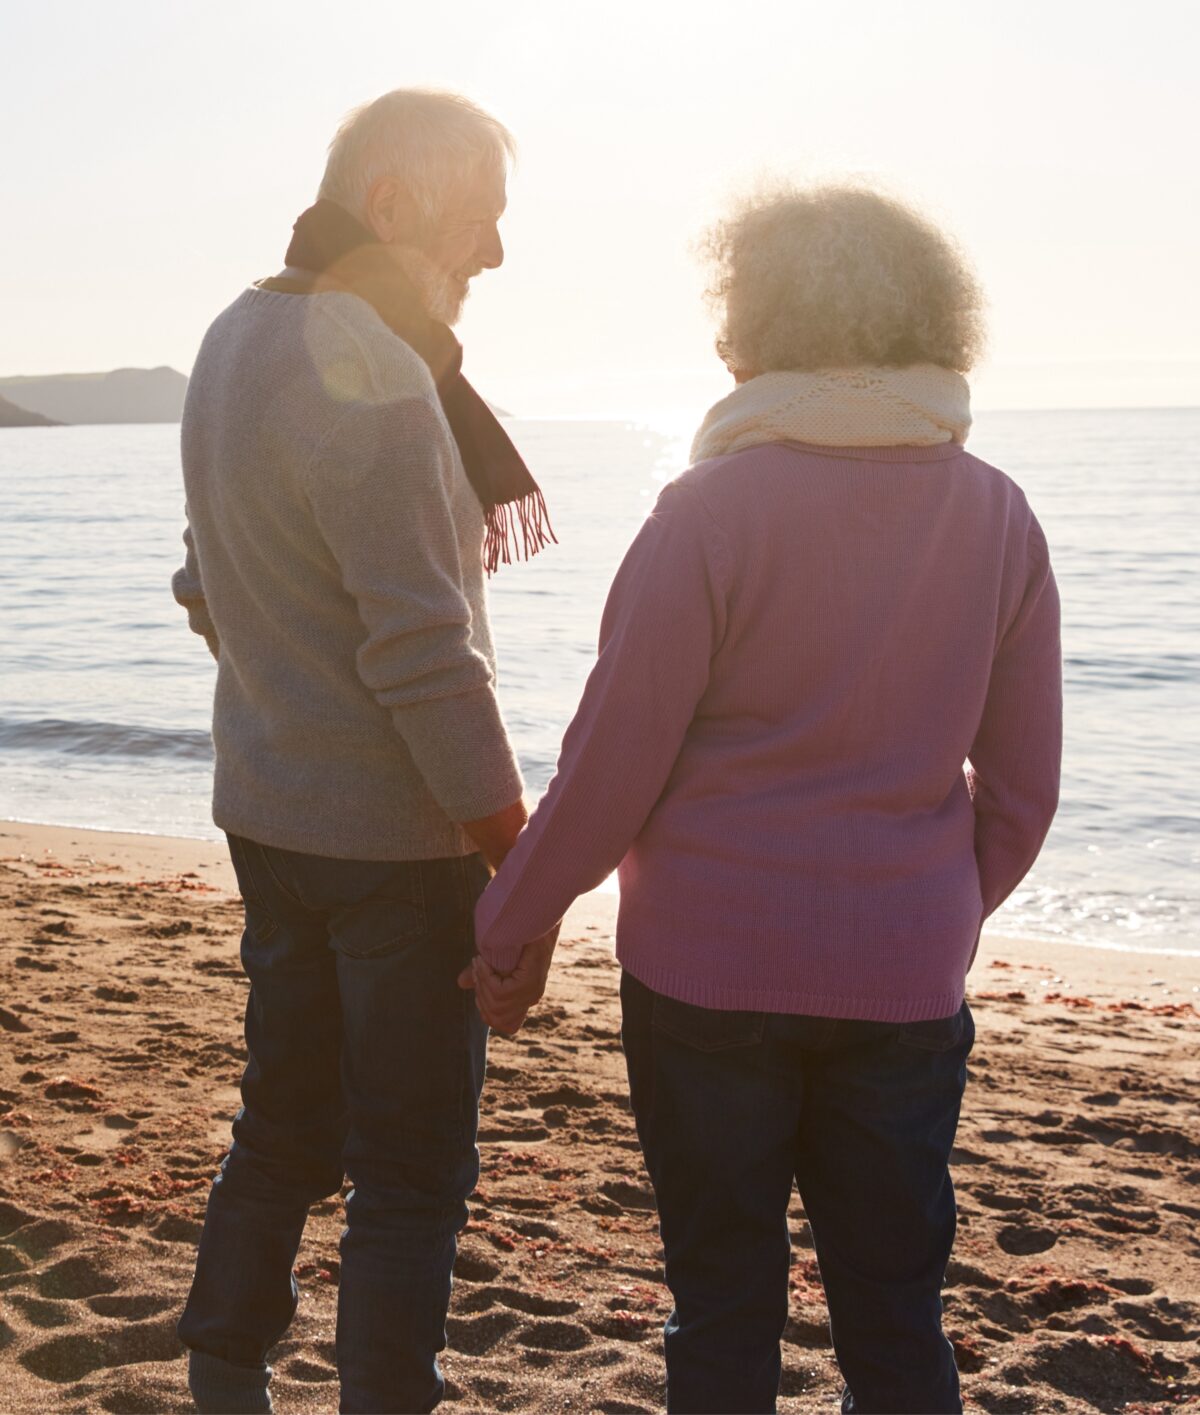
(123, 395)
(12, 416)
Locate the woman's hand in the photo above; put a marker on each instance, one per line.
(504, 999)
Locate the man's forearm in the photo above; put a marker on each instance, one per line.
(497, 834)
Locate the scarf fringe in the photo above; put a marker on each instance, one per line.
(500, 544)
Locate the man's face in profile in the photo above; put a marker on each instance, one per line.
(465, 241)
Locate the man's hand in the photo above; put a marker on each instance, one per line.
(504, 999)
(496, 835)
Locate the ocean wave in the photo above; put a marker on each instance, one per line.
(104, 739)
(1131, 670)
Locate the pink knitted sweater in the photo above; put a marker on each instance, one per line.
(801, 650)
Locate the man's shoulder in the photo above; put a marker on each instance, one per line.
(360, 357)
(337, 335)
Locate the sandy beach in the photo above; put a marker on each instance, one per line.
(1074, 1281)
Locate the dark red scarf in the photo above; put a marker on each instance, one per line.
(343, 255)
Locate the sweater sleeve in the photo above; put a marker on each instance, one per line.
(188, 589)
(664, 619)
(1017, 753)
(380, 489)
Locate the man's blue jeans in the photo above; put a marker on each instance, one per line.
(732, 1108)
(366, 1060)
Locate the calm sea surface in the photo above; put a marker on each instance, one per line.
(105, 696)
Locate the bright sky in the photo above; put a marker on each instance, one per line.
(156, 155)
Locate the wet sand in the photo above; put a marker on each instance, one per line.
(1074, 1281)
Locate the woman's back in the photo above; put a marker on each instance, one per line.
(818, 808)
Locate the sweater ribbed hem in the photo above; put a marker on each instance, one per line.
(504, 958)
(313, 835)
(798, 998)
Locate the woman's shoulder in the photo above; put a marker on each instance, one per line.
(721, 482)
(1000, 487)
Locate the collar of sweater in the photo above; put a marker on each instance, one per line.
(918, 406)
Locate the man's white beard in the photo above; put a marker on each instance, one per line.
(442, 296)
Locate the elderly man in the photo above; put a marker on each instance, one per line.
(347, 489)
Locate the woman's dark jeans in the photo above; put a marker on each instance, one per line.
(365, 1058)
(732, 1108)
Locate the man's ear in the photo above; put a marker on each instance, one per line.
(391, 212)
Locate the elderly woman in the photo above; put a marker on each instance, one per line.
(822, 744)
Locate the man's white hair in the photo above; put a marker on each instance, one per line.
(430, 140)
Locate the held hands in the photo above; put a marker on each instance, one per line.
(504, 999)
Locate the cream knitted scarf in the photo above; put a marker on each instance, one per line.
(859, 407)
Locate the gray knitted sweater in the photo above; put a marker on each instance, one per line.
(334, 568)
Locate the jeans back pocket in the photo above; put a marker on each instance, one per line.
(938, 1033)
(386, 921)
(706, 1028)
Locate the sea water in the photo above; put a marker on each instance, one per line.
(105, 696)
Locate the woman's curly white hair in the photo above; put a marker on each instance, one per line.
(839, 276)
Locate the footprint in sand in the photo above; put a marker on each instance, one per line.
(1004, 1202)
(963, 1274)
(78, 1276)
(300, 1368)
(106, 992)
(133, 1308)
(38, 1312)
(475, 1336)
(1161, 1320)
(961, 1156)
(469, 1267)
(1023, 1239)
(628, 1196)
(1106, 1373)
(37, 1238)
(174, 930)
(555, 1336)
(113, 1131)
(12, 1218)
(495, 1394)
(13, 1266)
(482, 1298)
(64, 1359)
(546, 1019)
(175, 1228)
(519, 1133)
(809, 1331)
(570, 1097)
(624, 1326)
(218, 968)
(10, 1022)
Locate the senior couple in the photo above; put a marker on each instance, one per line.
(820, 744)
